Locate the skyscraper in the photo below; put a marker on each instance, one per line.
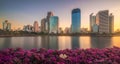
(6, 25)
(9, 26)
(95, 28)
(111, 23)
(49, 14)
(54, 24)
(36, 26)
(43, 25)
(102, 19)
(92, 21)
(76, 20)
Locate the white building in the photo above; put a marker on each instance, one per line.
(28, 28)
(102, 19)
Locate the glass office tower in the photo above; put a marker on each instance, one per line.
(76, 20)
(53, 24)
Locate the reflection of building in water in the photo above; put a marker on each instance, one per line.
(53, 42)
(6, 43)
(45, 42)
(49, 42)
(100, 42)
(64, 42)
(36, 43)
(28, 42)
(75, 42)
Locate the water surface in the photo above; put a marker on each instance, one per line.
(59, 42)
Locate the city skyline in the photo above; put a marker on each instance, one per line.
(24, 12)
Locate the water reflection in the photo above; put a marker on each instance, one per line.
(101, 42)
(28, 42)
(17, 42)
(116, 41)
(37, 42)
(85, 42)
(75, 42)
(59, 42)
(64, 42)
(53, 42)
(49, 42)
(5, 43)
(45, 42)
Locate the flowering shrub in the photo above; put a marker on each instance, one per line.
(44, 56)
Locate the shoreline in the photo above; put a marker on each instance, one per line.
(57, 35)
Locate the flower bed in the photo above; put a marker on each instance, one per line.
(77, 56)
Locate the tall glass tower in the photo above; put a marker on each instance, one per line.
(54, 24)
(76, 20)
(49, 14)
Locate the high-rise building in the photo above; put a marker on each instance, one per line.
(49, 14)
(36, 26)
(111, 23)
(95, 28)
(54, 24)
(9, 26)
(92, 21)
(6, 25)
(28, 28)
(43, 25)
(76, 20)
(102, 19)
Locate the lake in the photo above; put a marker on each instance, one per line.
(59, 42)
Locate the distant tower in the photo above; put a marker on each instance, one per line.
(92, 21)
(43, 25)
(102, 20)
(95, 28)
(36, 26)
(6, 25)
(111, 23)
(76, 20)
(9, 26)
(54, 24)
(49, 14)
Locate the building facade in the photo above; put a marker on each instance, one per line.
(43, 25)
(28, 28)
(95, 28)
(49, 14)
(6, 25)
(54, 24)
(102, 19)
(92, 21)
(111, 23)
(36, 26)
(76, 20)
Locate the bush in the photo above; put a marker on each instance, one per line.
(68, 56)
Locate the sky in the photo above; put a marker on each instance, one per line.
(24, 12)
